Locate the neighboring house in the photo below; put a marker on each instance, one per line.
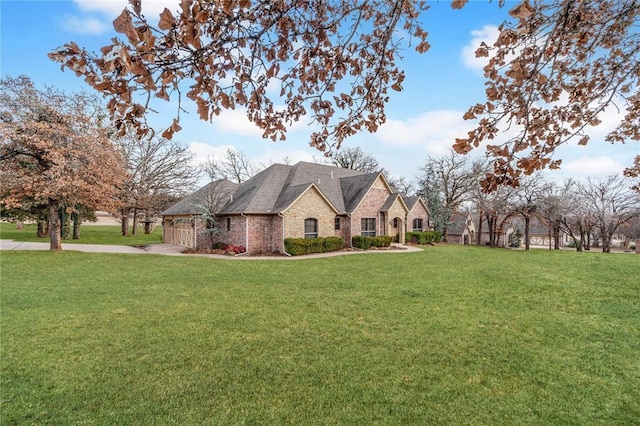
(306, 200)
(540, 233)
(461, 229)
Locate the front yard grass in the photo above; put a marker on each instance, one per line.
(89, 234)
(451, 335)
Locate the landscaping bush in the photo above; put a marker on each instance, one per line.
(364, 243)
(425, 237)
(231, 249)
(300, 246)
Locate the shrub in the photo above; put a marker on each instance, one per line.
(300, 246)
(231, 249)
(423, 237)
(364, 243)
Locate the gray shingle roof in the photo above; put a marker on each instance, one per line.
(275, 188)
(410, 201)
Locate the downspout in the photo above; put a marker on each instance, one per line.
(195, 234)
(246, 231)
(283, 247)
(350, 230)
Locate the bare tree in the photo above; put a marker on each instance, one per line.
(574, 216)
(235, 166)
(446, 182)
(612, 203)
(207, 203)
(402, 185)
(528, 198)
(355, 158)
(160, 170)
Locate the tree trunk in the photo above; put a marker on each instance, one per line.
(125, 223)
(75, 217)
(527, 220)
(64, 223)
(556, 237)
(479, 230)
(19, 225)
(491, 224)
(637, 245)
(41, 230)
(135, 222)
(54, 226)
(580, 242)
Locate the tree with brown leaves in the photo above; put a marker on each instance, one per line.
(54, 151)
(227, 54)
(551, 73)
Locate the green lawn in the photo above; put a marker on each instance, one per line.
(451, 335)
(89, 234)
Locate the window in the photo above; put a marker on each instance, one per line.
(337, 223)
(417, 224)
(395, 223)
(311, 228)
(228, 224)
(368, 226)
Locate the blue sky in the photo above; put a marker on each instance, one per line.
(423, 120)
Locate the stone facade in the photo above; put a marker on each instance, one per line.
(395, 221)
(311, 205)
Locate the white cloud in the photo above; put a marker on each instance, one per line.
(436, 131)
(85, 25)
(488, 34)
(112, 8)
(107, 7)
(204, 150)
(585, 166)
(236, 122)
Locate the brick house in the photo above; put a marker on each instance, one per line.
(305, 200)
(461, 229)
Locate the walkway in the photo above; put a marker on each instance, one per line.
(173, 250)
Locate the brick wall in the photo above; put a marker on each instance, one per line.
(370, 208)
(265, 234)
(418, 212)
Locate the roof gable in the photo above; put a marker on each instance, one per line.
(393, 198)
(412, 202)
(276, 188)
(294, 193)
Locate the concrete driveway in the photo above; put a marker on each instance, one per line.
(160, 248)
(172, 250)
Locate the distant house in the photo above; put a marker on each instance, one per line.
(540, 233)
(461, 229)
(305, 200)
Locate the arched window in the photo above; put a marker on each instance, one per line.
(311, 228)
(417, 224)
